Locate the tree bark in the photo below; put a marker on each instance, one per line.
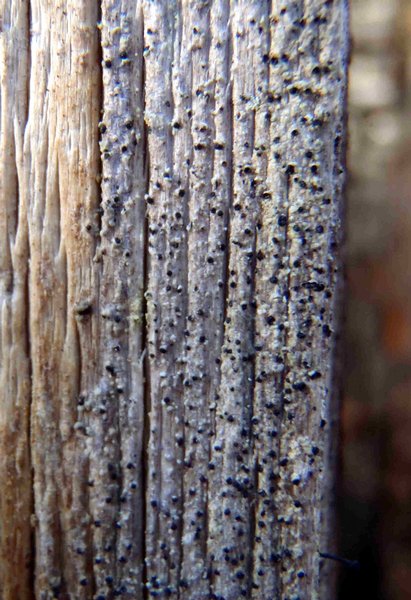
(171, 212)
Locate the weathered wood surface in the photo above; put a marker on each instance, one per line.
(171, 221)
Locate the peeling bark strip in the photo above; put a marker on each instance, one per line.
(171, 196)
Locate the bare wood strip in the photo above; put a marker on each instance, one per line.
(15, 467)
(61, 166)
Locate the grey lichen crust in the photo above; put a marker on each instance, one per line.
(245, 112)
(175, 238)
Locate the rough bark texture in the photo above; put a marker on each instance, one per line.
(171, 198)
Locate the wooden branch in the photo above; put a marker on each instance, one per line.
(171, 209)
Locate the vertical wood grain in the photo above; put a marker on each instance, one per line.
(172, 217)
(15, 471)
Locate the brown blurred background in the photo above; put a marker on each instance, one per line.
(375, 499)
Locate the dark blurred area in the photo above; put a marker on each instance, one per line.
(375, 491)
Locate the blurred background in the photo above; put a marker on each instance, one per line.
(375, 493)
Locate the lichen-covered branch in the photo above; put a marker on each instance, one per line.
(171, 205)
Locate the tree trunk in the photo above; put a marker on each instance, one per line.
(171, 198)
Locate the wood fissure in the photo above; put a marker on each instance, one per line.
(171, 191)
